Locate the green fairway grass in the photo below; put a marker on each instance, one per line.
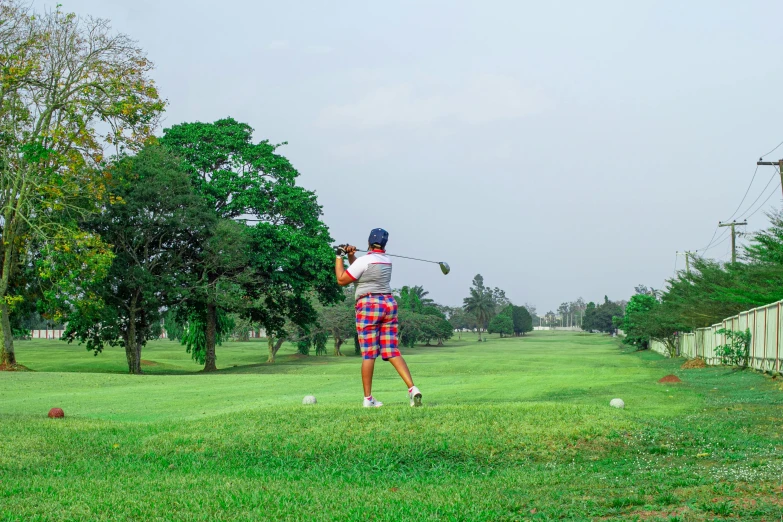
(512, 429)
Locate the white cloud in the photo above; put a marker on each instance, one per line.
(278, 45)
(481, 100)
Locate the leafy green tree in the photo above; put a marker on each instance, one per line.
(338, 320)
(500, 299)
(521, 319)
(155, 231)
(242, 328)
(419, 327)
(602, 317)
(275, 265)
(422, 294)
(461, 320)
(480, 303)
(551, 319)
(639, 305)
(502, 323)
(662, 323)
(408, 299)
(70, 87)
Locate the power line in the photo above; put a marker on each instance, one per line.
(761, 194)
(773, 150)
(710, 244)
(746, 194)
(765, 201)
(719, 243)
(715, 235)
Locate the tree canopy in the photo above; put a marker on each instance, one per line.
(71, 87)
(265, 265)
(155, 231)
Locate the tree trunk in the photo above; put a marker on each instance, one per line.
(274, 346)
(7, 355)
(132, 353)
(337, 343)
(211, 339)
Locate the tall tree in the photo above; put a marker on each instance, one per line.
(338, 320)
(633, 324)
(155, 232)
(286, 254)
(422, 294)
(521, 319)
(68, 87)
(461, 320)
(480, 303)
(502, 323)
(604, 317)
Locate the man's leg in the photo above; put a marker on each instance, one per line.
(368, 315)
(402, 368)
(389, 342)
(368, 366)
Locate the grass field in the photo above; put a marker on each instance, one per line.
(512, 429)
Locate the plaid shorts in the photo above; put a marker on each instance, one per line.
(376, 325)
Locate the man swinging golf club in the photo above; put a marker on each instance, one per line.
(376, 311)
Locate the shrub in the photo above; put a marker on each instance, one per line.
(736, 351)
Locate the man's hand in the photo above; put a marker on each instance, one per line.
(339, 250)
(349, 249)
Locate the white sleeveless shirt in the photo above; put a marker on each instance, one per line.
(372, 273)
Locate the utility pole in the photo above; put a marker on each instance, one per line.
(734, 234)
(779, 164)
(688, 254)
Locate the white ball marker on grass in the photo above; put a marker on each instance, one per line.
(309, 399)
(617, 403)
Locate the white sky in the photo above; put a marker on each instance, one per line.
(560, 149)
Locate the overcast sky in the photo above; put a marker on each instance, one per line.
(560, 149)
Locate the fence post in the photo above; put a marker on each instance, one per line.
(766, 313)
(753, 338)
(777, 341)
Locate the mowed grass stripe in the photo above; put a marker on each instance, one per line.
(513, 429)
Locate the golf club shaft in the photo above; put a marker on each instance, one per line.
(405, 257)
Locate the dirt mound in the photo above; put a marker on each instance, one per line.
(670, 378)
(145, 362)
(13, 368)
(694, 363)
(56, 413)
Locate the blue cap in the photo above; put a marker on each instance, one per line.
(378, 236)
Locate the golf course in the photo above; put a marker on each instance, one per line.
(517, 428)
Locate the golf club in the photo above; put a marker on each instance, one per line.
(444, 267)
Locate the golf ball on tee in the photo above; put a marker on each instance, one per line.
(617, 403)
(309, 399)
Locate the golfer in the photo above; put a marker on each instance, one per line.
(376, 312)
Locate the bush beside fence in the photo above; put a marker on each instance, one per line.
(764, 323)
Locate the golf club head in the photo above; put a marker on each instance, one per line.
(444, 267)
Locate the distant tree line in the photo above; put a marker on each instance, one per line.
(488, 309)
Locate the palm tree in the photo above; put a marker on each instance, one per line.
(420, 292)
(480, 304)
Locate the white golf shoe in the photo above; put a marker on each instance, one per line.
(415, 396)
(372, 403)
